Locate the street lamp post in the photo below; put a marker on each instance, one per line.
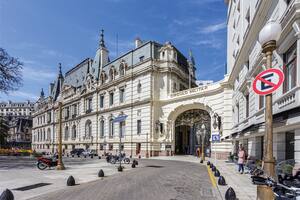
(60, 164)
(268, 37)
(203, 141)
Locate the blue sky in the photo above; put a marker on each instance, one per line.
(43, 33)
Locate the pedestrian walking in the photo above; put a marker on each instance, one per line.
(241, 159)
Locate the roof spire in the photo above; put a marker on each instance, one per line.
(59, 70)
(42, 93)
(102, 39)
(191, 57)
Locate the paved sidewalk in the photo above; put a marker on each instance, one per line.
(82, 172)
(241, 183)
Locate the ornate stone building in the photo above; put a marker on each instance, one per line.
(18, 118)
(245, 60)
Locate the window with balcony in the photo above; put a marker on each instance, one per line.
(74, 111)
(290, 68)
(66, 133)
(73, 132)
(88, 129)
(122, 95)
(101, 101)
(67, 113)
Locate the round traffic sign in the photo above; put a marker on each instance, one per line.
(268, 81)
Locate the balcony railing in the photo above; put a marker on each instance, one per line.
(74, 116)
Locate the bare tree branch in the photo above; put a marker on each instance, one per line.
(10, 72)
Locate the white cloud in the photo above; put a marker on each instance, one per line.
(213, 28)
(23, 95)
(37, 74)
(212, 43)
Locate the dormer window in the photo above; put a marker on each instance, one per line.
(112, 74)
(142, 58)
(102, 78)
(122, 69)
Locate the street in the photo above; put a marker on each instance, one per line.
(152, 179)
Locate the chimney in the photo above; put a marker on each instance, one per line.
(138, 42)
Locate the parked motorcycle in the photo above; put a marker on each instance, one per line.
(117, 158)
(44, 162)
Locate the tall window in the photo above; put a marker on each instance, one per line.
(66, 133)
(290, 68)
(89, 105)
(122, 95)
(111, 98)
(48, 134)
(247, 105)
(112, 74)
(67, 113)
(102, 128)
(102, 101)
(139, 87)
(261, 102)
(139, 126)
(111, 128)
(74, 132)
(237, 113)
(88, 129)
(74, 110)
(122, 129)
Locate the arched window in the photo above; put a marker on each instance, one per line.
(66, 133)
(139, 87)
(102, 77)
(112, 74)
(111, 128)
(74, 132)
(122, 69)
(102, 128)
(48, 134)
(88, 129)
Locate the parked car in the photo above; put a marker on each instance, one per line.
(76, 152)
(89, 152)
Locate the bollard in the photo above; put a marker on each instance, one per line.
(101, 173)
(230, 194)
(201, 161)
(120, 168)
(133, 165)
(92, 156)
(213, 168)
(135, 162)
(217, 173)
(99, 157)
(67, 155)
(7, 195)
(72, 155)
(139, 156)
(211, 165)
(78, 155)
(208, 163)
(84, 156)
(221, 181)
(71, 181)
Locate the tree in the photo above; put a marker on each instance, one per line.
(3, 130)
(10, 72)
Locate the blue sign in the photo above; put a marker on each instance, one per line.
(215, 138)
(120, 118)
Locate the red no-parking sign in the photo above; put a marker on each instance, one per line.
(268, 81)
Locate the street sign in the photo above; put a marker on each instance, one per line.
(268, 81)
(215, 138)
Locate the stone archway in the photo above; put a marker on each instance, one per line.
(191, 127)
(194, 124)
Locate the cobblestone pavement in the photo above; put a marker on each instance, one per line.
(151, 180)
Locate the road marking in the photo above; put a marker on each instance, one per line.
(211, 176)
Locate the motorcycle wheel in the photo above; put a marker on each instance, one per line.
(113, 161)
(41, 166)
(126, 160)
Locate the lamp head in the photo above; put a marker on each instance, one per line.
(270, 32)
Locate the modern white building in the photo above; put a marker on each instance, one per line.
(147, 97)
(245, 60)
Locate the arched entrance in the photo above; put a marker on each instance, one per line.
(192, 130)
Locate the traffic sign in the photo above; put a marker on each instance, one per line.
(268, 81)
(215, 138)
